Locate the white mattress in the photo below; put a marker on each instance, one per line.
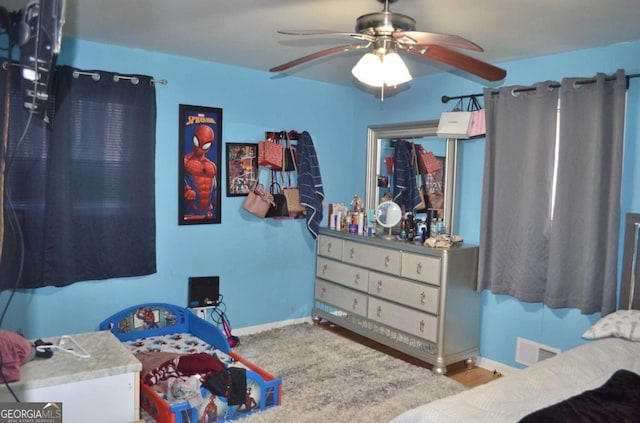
(512, 397)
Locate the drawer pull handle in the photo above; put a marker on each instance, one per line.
(423, 298)
(323, 291)
(379, 311)
(379, 289)
(352, 253)
(357, 279)
(324, 269)
(419, 268)
(386, 261)
(328, 247)
(355, 303)
(422, 326)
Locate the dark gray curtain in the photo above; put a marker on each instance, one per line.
(83, 187)
(565, 256)
(583, 247)
(516, 197)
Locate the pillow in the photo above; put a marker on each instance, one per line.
(620, 324)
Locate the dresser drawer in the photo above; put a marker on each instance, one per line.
(344, 274)
(421, 268)
(376, 258)
(330, 247)
(417, 295)
(341, 297)
(408, 320)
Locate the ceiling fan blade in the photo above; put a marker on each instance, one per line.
(316, 55)
(461, 61)
(355, 35)
(419, 38)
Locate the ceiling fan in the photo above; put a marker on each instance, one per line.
(385, 33)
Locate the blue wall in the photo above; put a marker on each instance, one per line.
(267, 267)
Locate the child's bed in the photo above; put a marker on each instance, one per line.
(179, 350)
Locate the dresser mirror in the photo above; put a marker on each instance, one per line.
(380, 139)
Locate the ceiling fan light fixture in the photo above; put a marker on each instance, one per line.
(395, 71)
(377, 70)
(368, 70)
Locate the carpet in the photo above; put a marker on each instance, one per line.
(328, 378)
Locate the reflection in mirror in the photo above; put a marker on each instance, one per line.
(379, 182)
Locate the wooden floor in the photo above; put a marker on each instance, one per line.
(457, 371)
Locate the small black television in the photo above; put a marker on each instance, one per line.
(204, 291)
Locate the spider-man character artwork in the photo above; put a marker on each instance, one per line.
(200, 175)
(200, 179)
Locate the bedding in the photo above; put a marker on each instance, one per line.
(189, 372)
(618, 400)
(544, 384)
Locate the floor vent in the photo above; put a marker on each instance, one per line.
(530, 352)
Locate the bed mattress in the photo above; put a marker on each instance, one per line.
(548, 382)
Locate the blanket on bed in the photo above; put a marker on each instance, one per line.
(171, 374)
(618, 400)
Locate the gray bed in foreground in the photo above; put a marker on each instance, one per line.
(512, 397)
(571, 382)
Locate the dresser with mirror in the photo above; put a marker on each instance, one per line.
(419, 300)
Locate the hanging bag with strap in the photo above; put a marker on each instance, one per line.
(292, 193)
(454, 124)
(289, 153)
(270, 153)
(478, 125)
(258, 201)
(420, 183)
(279, 209)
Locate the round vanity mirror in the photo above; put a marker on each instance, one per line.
(388, 215)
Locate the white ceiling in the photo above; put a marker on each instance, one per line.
(243, 32)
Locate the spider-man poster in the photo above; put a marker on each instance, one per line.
(200, 150)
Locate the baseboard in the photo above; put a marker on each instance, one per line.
(250, 330)
(492, 365)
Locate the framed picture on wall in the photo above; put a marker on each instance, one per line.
(242, 167)
(199, 163)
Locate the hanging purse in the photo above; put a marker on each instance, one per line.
(478, 125)
(270, 153)
(292, 194)
(279, 208)
(289, 153)
(258, 201)
(454, 124)
(428, 161)
(388, 162)
(420, 179)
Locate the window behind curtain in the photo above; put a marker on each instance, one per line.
(83, 186)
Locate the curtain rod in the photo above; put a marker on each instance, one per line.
(445, 99)
(95, 75)
(134, 80)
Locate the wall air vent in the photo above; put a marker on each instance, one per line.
(530, 352)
